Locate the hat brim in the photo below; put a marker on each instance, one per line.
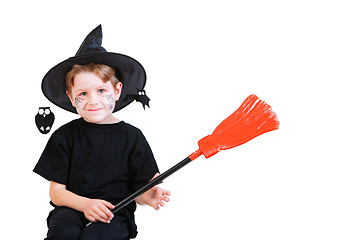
(132, 72)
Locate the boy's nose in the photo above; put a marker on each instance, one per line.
(93, 99)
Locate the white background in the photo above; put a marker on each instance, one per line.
(203, 58)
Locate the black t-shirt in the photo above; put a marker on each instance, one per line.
(101, 161)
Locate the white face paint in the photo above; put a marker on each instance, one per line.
(93, 99)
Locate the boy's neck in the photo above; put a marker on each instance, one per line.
(111, 120)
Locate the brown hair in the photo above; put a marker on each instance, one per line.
(105, 72)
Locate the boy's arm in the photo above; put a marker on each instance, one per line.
(93, 209)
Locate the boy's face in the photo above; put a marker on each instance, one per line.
(93, 99)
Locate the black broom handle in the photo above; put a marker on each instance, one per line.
(149, 185)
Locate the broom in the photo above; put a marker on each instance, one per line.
(253, 118)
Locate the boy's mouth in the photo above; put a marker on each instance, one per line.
(94, 109)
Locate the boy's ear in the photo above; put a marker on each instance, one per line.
(118, 89)
(71, 99)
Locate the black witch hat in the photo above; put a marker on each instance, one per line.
(131, 71)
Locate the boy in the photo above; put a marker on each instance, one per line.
(97, 160)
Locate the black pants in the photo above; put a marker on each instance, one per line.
(66, 224)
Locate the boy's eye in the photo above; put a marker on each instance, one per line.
(83, 94)
(101, 90)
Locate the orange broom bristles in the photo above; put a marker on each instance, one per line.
(253, 118)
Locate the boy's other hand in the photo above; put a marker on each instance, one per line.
(98, 210)
(155, 197)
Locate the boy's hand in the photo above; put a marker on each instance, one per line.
(155, 197)
(98, 210)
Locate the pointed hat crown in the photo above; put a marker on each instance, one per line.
(92, 43)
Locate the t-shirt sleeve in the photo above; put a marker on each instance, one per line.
(142, 164)
(53, 164)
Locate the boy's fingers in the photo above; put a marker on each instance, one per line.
(94, 217)
(100, 218)
(155, 176)
(166, 192)
(107, 213)
(108, 205)
(91, 219)
(98, 213)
